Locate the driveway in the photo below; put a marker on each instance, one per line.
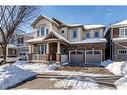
(47, 80)
(47, 83)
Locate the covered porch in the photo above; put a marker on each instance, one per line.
(50, 49)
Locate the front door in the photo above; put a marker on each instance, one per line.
(53, 51)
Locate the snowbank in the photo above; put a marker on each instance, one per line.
(121, 83)
(76, 83)
(10, 75)
(38, 67)
(118, 68)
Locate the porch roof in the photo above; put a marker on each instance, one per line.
(35, 40)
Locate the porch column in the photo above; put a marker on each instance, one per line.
(58, 54)
(47, 52)
(30, 52)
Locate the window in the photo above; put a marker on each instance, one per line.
(96, 34)
(73, 52)
(79, 52)
(123, 32)
(74, 34)
(20, 40)
(89, 52)
(47, 31)
(62, 31)
(97, 52)
(87, 35)
(42, 31)
(122, 51)
(42, 49)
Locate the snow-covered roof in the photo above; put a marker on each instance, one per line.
(11, 46)
(87, 27)
(120, 39)
(35, 40)
(94, 40)
(123, 23)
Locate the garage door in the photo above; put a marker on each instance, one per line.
(77, 56)
(93, 56)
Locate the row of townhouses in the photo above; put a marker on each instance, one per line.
(53, 40)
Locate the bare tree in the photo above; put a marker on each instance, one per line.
(11, 18)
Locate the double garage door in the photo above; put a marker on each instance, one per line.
(89, 56)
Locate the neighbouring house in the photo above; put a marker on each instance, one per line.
(17, 47)
(56, 41)
(23, 47)
(118, 41)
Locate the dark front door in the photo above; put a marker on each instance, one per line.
(53, 51)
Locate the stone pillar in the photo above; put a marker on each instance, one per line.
(58, 54)
(47, 52)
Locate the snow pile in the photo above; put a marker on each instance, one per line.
(20, 62)
(76, 83)
(10, 75)
(37, 67)
(106, 63)
(121, 83)
(118, 68)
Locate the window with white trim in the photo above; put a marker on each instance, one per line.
(74, 34)
(123, 32)
(42, 49)
(87, 34)
(42, 31)
(96, 34)
(122, 51)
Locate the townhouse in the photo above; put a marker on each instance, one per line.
(56, 41)
(117, 34)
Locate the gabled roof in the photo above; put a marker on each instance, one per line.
(57, 35)
(43, 17)
(121, 23)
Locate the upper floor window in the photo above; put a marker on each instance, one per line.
(74, 34)
(123, 32)
(87, 34)
(42, 31)
(20, 40)
(96, 34)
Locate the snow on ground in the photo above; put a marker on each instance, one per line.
(118, 68)
(121, 83)
(10, 75)
(37, 67)
(76, 83)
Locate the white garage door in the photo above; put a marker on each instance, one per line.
(77, 56)
(93, 56)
